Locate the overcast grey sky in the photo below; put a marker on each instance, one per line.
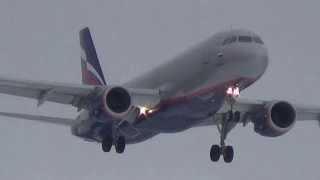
(39, 40)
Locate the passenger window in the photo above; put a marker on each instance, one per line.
(257, 40)
(245, 39)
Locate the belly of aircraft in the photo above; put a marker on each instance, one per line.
(183, 115)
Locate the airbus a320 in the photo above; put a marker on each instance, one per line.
(200, 87)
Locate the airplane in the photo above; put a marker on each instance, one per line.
(200, 87)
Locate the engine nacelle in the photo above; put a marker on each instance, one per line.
(117, 102)
(276, 118)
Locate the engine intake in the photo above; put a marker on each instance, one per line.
(117, 101)
(283, 114)
(276, 119)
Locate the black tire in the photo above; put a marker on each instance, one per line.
(120, 145)
(228, 154)
(237, 116)
(106, 144)
(215, 153)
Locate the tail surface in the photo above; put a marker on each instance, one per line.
(90, 66)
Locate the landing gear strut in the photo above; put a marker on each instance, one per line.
(222, 149)
(229, 120)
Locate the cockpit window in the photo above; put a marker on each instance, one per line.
(229, 40)
(226, 41)
(245, 39)
(233, 39)
(257, 40)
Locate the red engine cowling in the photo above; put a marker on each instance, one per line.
(117, 102)
(276, 119)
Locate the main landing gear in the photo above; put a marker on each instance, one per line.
(119, 144)
(229, 120)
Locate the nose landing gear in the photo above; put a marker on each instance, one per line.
(229, 121)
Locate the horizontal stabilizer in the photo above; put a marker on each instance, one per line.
(45, 119)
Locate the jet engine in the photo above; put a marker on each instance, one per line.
(275, 119)
(117, 101)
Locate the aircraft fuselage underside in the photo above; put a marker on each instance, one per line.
(176, 116)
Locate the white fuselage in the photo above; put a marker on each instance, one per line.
(206, 65)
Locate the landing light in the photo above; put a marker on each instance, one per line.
(233, 91)
(145, 111)
(230, 91)
(236, 92)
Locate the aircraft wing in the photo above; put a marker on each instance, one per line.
(44, 91)
(247, 107)
(39, 118)
(71, 94)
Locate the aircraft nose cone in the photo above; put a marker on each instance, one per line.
(247, 60)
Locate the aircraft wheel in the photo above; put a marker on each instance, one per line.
(120, 145)
(107, 144)
(228, 154)
(215, 153)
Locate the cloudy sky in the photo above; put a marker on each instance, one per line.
(39, 40)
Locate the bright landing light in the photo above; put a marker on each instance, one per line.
(233, 91)
(230, 91)
(236, 92)
(145, 111)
